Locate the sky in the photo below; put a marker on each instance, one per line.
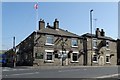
(19, 18)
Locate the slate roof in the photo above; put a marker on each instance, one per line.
(99, 37)
(60, 32)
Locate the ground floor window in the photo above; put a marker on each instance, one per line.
(74, 57)
(38, 55)
(95, 58)
(49, 56)
(107, 59)
(56, 55)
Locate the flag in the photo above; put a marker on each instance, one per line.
(36, 6)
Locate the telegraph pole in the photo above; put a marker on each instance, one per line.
(14, 50)
(62, 51)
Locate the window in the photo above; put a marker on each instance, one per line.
(95, 58)
(74, 43)
(74, 57)
(56, 55)
(38, 55)
(49, 40)
(94, 43)
(107, 58)
(49, 56)
(107, 44)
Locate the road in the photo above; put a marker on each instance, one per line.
(61, 72)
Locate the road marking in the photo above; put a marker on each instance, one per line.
(14, 69)
(22, 74)
(71, 70)
(5, 70)
(108, 76)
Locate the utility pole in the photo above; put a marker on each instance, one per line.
(14, 50)
(91, 32)
(62, 51)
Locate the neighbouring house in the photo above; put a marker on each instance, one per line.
(118, 51)
(51, 45)
(102, 50)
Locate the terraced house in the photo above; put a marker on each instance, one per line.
(51, 45)
(102, 50)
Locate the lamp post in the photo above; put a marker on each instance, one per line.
(91, 32)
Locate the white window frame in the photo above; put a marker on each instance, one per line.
(72, 42)
(107, 46)
(106, 58)
(72, 56)
(93, 57)
(46, 56)
(51, 44)
(94, 43)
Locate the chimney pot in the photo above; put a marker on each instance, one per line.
(56, 24)
(98, 32)
(102, 32)
(41, 24)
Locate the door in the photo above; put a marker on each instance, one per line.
(101, 61)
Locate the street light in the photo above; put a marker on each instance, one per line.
(91, 32)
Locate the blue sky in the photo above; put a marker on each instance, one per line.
(19, 18)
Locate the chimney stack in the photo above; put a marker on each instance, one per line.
(56, 24)
(41, 24)
(98, 33)
(102, 32)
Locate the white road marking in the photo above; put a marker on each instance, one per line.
(108, 76)
(70, 70)
(5, 70)
(22, 74)
(13, 69)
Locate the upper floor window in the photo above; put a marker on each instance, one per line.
(74, 43)
(107, 44)
(94, 43)
(49, 39)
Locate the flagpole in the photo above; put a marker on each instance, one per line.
(36, 18)
(36, 10)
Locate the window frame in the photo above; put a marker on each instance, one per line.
(107, 45)
(52, 38)
(49, 51)
(95, 55)
(39, 56)
(72, 57)
(107, 56)
(94, 43)
(72, 42)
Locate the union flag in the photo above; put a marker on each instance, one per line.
(36, 6)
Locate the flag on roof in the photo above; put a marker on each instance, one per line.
(36, 6)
